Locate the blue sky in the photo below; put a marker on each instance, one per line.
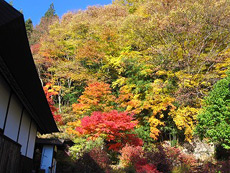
(35, 9)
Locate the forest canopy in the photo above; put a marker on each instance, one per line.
(153, 59)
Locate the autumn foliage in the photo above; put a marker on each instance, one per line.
(135, 156)
(96, 97)
(135, 65)
(115, 127)
(51, 91)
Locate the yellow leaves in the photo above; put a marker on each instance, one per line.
(141, 11)
(157, 86)
(115, 62)
(71, 128)
(162, 105)
(157, 101)
(161, 72)
(52, 89)
(188, 80)
(168, 73)
(134, 106)
(184, 118)
(119, 82)
(180, 53)
(146, 72)
(154, 123)
(222, 67)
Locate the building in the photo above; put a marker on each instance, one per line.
(46, 153)
(24, 110)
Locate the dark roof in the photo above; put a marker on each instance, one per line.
(52, 141)
(18, 68)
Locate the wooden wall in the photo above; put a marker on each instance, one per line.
(11, 160)
(26, 165)
(9, 155)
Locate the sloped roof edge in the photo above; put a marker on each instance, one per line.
(18, 68)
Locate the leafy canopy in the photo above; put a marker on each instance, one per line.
(214, 120)
(115, 127)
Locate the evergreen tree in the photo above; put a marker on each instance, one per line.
(41, 29)
(29, 27)
(214, 120)
(51, 11)
(11, 3)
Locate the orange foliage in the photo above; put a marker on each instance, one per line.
(96, 97)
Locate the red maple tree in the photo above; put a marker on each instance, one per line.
(115, 127)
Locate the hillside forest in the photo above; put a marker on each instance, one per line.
(133, 81)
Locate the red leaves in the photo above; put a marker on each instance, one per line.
(108, 123)
(49, 93)
(100, 157)
(135, 155)
(113, 126)
(35, 48)
(131, 155)
(144, 167)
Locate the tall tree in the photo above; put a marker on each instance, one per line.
(29, 27)
(11, 3)
(41, 29)
(51, 11)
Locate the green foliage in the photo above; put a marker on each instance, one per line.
(41, 30)
(29, 27)
(11, 3)
(214, 120)
(51, 11)
(143, 133)
(83, 145)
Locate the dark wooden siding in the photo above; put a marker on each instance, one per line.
(26, 165)
(11, 160)
(9, 155)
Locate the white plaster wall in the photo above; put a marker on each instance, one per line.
(4, 99)
(32, 137)
(13, 118)
(24, 132)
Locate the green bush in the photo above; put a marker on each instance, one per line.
(214, 120)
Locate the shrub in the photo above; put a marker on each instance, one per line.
(142, 166)
(181, 168)
(220, 166)
(167, 158)
(158, 157)
(101, 157)
(213, 121)
(130, 155)
(83, 146)
(134, 157)
(179, 158)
